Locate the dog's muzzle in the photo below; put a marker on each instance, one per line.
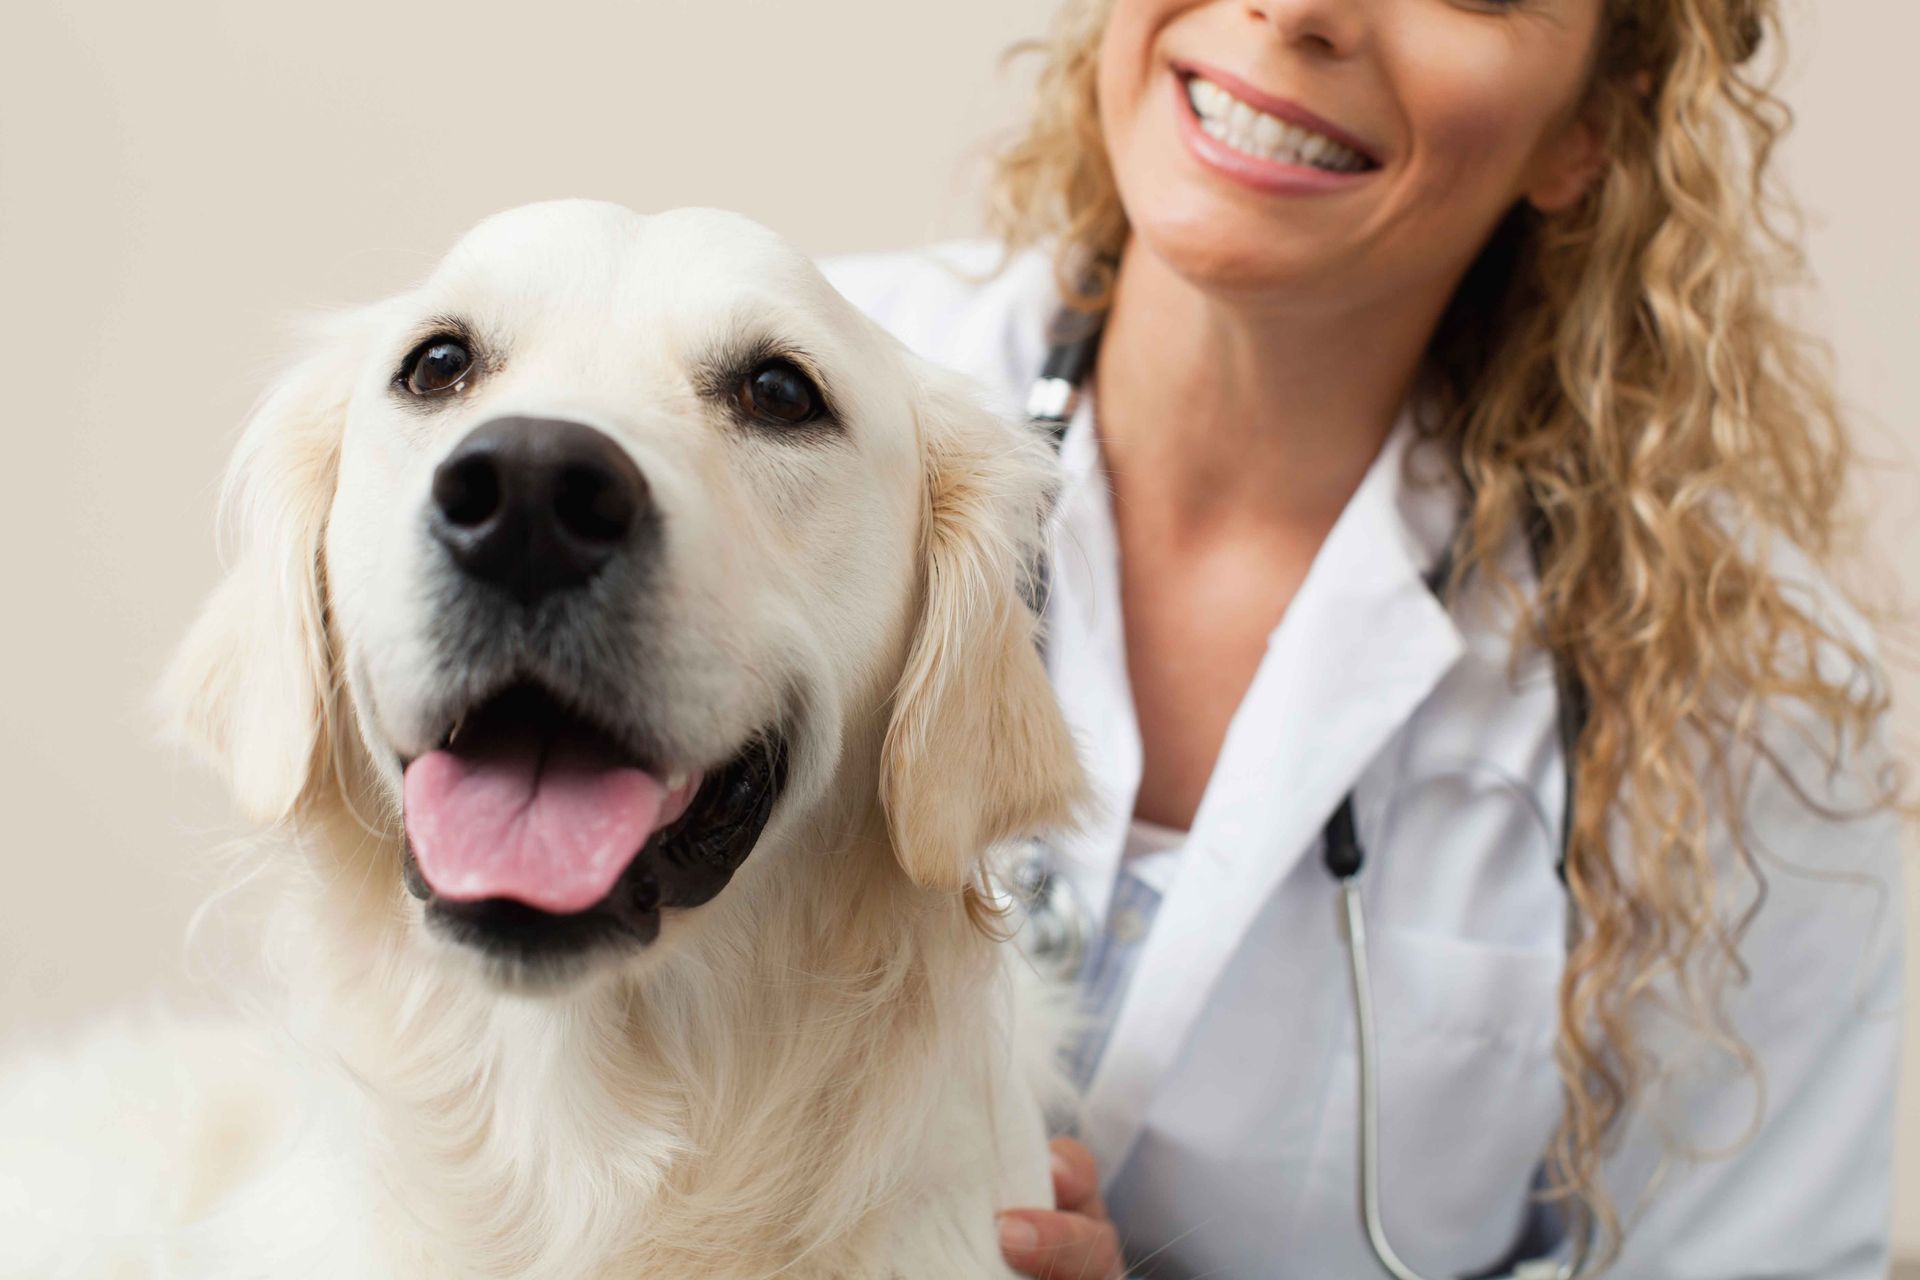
(545, 824)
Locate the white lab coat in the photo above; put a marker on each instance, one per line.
(1223, 1109)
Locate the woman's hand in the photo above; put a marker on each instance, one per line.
(1074, 1243)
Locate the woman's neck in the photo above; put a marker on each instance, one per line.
(1218, 413)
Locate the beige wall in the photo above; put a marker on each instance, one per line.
(1853, 79)
(177, 178)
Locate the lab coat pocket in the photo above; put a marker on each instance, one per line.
(1431, 983)
(1468, 1092)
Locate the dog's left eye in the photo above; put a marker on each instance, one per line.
(437, 365)
(777, 391)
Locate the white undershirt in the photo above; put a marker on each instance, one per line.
(1152, 852)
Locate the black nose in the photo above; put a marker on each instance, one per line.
(536, 505)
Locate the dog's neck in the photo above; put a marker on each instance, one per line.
(623, 1120)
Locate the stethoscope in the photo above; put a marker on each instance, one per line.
(1057, 928)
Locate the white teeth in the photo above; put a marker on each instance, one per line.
(1256, 133)
(676, 780)
(454, 734)
(1208, 98)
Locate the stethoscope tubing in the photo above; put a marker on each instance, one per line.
(1353, 918)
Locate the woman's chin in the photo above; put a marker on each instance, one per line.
(1217, 252)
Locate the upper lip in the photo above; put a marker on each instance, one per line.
(1281, 108)
(524, 692)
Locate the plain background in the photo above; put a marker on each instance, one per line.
(176, 180)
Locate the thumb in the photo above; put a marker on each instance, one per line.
(1059, 1246)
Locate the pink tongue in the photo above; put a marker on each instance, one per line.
(546, 823)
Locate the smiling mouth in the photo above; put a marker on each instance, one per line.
(1258, 135)
(533, 832)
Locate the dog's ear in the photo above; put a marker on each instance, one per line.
(976, 749)
(251, 685)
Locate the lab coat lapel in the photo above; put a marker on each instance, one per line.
(1360, 647)
(1089, 667)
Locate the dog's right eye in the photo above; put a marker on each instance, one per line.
(436, 366)
(776, 391)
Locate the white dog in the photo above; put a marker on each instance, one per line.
(625, 639)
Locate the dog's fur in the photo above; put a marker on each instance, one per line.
(825, 1071)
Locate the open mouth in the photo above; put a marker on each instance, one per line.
(533, 829)
(1223, 113)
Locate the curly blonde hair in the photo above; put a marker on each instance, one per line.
(1617, 379)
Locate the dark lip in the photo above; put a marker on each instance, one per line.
(622, 737)
(531, 949)
(627, 738)
(1282, 108)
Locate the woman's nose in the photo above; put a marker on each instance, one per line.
(1333, 27)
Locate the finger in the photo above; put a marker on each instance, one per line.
(1076, 1182)
(1059, 1246)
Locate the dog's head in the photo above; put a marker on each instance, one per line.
(598, 559)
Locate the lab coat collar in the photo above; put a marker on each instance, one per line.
(1360, 647)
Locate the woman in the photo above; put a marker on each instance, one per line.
(1391, 286)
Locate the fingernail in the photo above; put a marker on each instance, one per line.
(1017, 1235)
(1062, 1168)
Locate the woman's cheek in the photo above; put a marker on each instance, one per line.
(1479, 106)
